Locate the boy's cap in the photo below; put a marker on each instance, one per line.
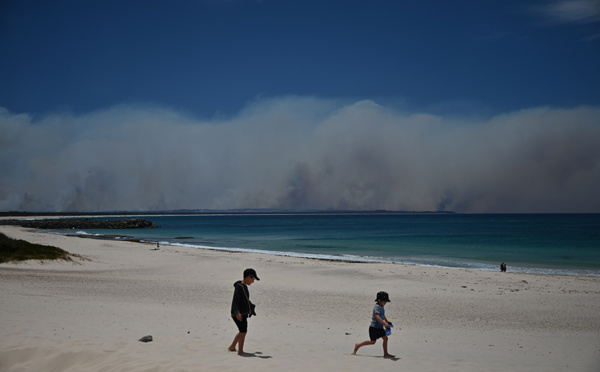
(251, 272)
(382, 296)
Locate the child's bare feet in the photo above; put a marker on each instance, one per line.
(388, 356)
(231, 349)
(356, 347)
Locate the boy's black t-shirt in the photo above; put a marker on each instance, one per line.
(241, 300)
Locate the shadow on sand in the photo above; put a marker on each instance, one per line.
(394, 359)
(257, 354)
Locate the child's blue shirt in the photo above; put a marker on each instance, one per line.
(377, 309)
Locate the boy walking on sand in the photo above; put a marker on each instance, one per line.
(379, 324)
(242, 309)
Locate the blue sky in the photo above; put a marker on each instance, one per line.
(469, 106)
(212, 57)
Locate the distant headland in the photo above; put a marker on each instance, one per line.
(80, 223)
(211, 212)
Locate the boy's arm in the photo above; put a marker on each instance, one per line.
(382, 321)
(235, 310)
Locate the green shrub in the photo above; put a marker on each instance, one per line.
(20, 250)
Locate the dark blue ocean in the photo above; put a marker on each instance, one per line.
(533, 243)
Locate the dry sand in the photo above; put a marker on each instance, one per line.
(88, 315)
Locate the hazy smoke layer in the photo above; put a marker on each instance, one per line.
(301, 153)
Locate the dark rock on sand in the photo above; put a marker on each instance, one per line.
(146, 339)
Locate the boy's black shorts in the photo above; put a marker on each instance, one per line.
(375, 333)
(243, 325)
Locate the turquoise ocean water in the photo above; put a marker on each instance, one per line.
(534, 243)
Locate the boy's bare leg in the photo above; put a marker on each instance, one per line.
(358, 346)
(241, 343)
(234, 343)
(385, 350)
(238, 339)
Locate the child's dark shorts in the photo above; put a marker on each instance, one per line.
(375, 333)
(243, 325)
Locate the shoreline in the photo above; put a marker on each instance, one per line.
(514, 266)
(357, 260)
(89, 315)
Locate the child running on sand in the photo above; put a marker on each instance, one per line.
(379, 324)
(242, 309)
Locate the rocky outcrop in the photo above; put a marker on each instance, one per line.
(81, 223)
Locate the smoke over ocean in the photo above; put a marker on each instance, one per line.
(301, 153)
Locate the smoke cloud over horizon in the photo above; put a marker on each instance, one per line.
(301, 153)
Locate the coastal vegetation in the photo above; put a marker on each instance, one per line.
(12, 250)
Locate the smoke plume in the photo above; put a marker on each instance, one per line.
(301, 153)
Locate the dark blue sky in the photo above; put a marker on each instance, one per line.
(473, 106)
(209, 57)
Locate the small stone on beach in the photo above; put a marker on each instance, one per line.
(146, 339)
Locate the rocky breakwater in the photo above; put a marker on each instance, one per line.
(82, 223)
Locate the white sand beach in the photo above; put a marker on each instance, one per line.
(88, 315)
